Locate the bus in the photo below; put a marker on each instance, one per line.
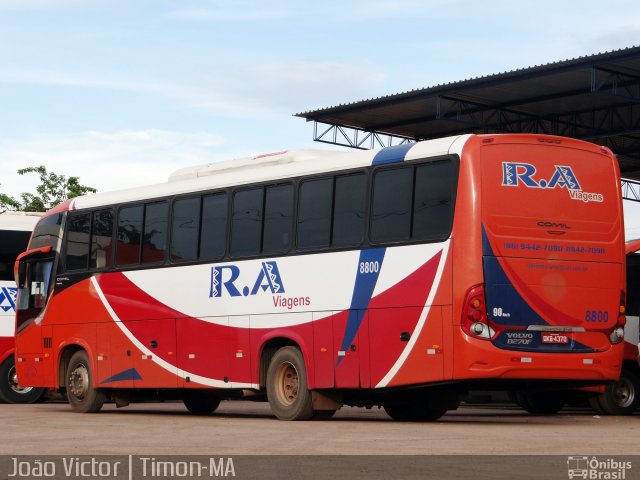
(395, 278)
(623, 396)
(15, 229)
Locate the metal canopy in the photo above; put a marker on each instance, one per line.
(594, 98)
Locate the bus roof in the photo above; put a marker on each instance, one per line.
(281, 165)
(19, 221)
(288, 164)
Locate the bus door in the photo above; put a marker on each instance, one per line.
(552, 245)
(33, 292)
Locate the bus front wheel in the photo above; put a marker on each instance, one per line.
(10, 389)
(82, 396)
(287, 391)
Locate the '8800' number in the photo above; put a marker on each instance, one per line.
(596, 316)
(369, 267)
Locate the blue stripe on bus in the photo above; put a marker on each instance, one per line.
(365, 283)
(392, 154)
(131, 374)
(501, 293)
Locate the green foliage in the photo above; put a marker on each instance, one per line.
(8, 203)
(52, 190)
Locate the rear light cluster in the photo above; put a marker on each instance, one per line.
(617, 335)
(475, 321)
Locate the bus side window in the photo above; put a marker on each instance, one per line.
(314, 214)
(185, 229)
(391, 205)
(433, 201)
(13, 242)
(246, 222)
(101, 239)
(77, 247)
(213, 234)
(349, 210)
(156, 219)
(129, 235)
(278, 216)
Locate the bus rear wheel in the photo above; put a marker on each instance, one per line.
(10, 389)
(287, 391)
(414, 412)
(82, 396)
(200, 402)
(541, 403)
(619, 398)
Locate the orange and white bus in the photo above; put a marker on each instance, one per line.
(15, 230)
(397, 278)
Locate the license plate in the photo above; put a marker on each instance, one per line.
(554, 338)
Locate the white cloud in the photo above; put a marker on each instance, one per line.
(250, 13)
(234, 89)
(105, 160)
(50, 4)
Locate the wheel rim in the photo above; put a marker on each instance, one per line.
(79, 382)
(287, 383)
(624, 393)
(14, 385)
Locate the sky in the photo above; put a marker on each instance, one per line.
(123, 92)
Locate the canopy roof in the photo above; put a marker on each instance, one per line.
(594, 98)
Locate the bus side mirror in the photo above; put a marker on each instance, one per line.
(21, 274)
(20, 267)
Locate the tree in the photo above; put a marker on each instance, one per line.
(52, 190)
(8, 203)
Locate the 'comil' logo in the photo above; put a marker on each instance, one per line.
(224, 278)
(514, 174)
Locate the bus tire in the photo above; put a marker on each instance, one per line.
(82, 396)
(287, 391)
(323, 414)
(10, 389)
(541, 403)
(414, 412)
(200, 402)
(621, 397)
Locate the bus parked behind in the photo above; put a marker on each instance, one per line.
(623, 396)
(15, 229)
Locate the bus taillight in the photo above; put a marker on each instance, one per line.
(617, 334)
(622, 318)
(474, 314)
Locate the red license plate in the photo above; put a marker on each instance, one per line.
(554, 338)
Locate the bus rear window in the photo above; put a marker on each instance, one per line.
(77, 252)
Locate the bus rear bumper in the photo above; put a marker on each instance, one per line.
(489, 362)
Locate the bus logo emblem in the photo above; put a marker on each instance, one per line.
(514, 174)
(224, 278)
